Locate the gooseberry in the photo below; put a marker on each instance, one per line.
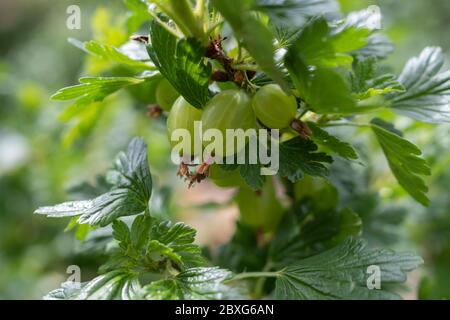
(230, 109)
(260, 209)
(225, 179)
(183, 116)
(166, 95)
(273, 107)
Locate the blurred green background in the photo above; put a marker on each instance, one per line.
(43, 155)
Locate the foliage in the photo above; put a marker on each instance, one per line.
(334, 67)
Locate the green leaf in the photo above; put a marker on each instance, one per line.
(294, 13)
(369, 18)
(132, 186)
(387, 126)
(320, 46)
(94, 89)
(378, 45)
(251, 173)
(350, 39)
(309, 59)
(311, 229)
(337, 98)
(193, 284)
(112, 54)
(381, 86)
(121, 233)
(323, 138)
(115, 285)
(381, 222)
(150, 244)
(140, 231)
(315, 47)
(299, 157)
(139, 14)
(312, 82)
(367, 85)
(182, 63)
(405, 162)
(256, 36)
(179, 238)
(427, 96)
(342, 273)
(234, 255)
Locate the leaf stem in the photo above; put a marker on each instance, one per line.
(250, 275)
(259, 286)
(245, 67)
(346, 124)
(200, 9)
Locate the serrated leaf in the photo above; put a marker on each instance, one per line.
(311, 229)
(256, 36)
(251, 173)
(112, 54)
(323, 138)
(381, 86)
(314, 45)
(159, 252)
(427, 96)
(299, 157)
(378, 46)
(94, 89)
(182, 64)
(150, 244)
(369, 19)
(342, 273)
(386, 126)
(132, 186)
(193, 284)
(338, 99)
(140, 231)
(367, 86)
(308, 60)
(115, 285)
(294, 13)
(121, 233)
(381, 222)
(405, 162)
(350, 39)
(180, 239)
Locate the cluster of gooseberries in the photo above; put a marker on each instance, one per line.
(269, 107)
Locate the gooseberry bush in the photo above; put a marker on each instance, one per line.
(298, 66)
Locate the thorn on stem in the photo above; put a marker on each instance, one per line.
(140, 38)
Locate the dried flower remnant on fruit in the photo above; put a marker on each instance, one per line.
(302, 129)
(154, 111)
(199, 177)
(183, 171)
(220, 76)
